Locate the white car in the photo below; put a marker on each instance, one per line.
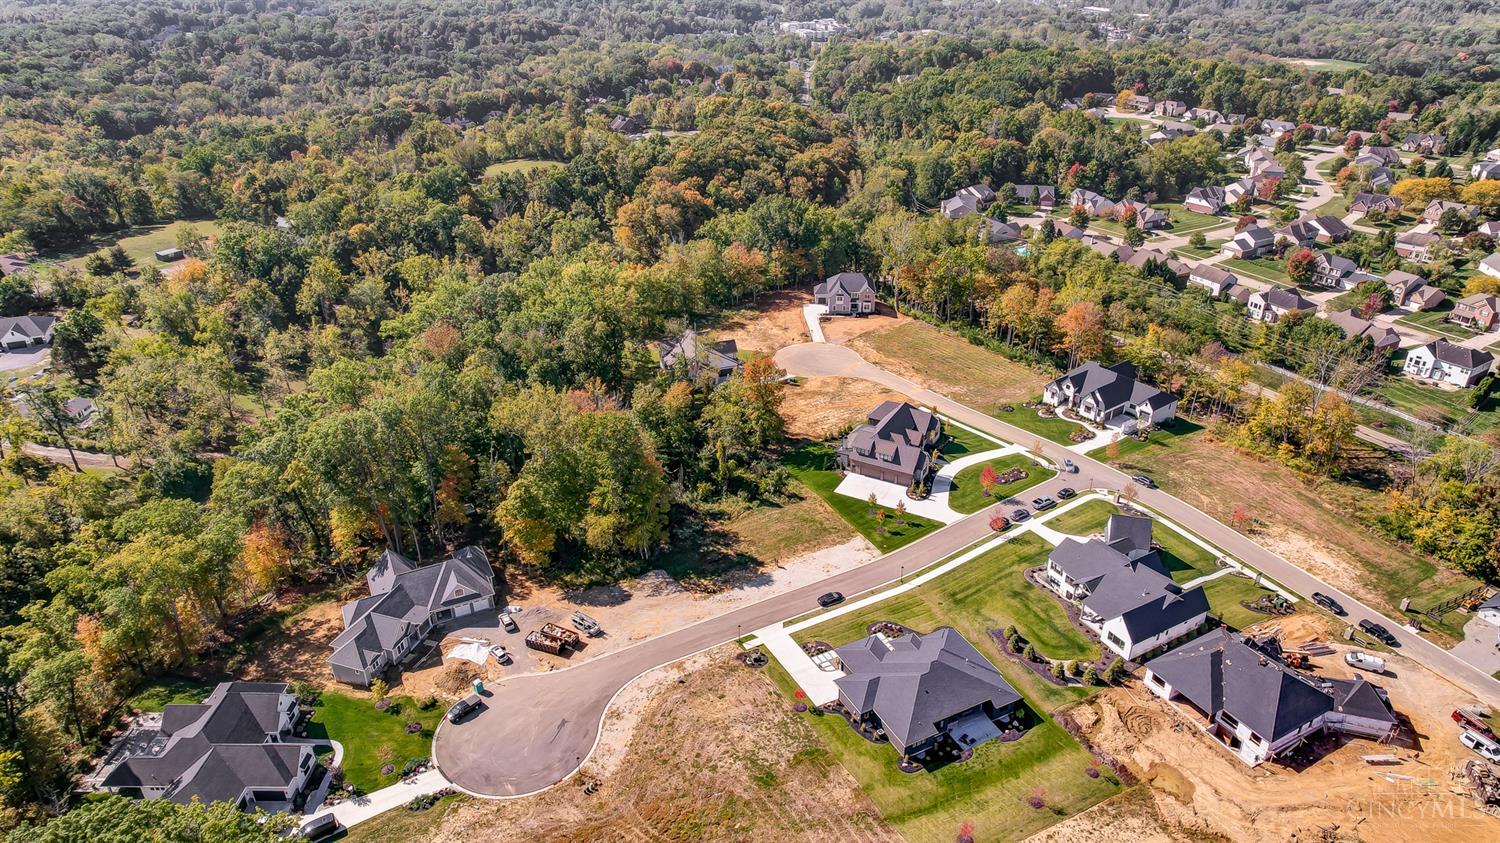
(1365, 661)
(500, 654)
(1483, 746)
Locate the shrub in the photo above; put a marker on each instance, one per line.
(1029, 653)
(1090, 676)
(378, 689)
(1058, 670)
(413, 727)
(1074, 668)
(427, 703)
(1115, 672)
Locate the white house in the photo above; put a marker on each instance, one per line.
(1447, 362)
(1211, 278)
(1489, 610)
(1270, 305)
(1122, 588)
(1258, 707)
(1111, 396)
(1250, 243)
(24, 331)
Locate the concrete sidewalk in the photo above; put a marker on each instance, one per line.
(812, 313)
(354, 811)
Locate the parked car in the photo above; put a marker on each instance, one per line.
(464, 707)
(509, 623)
(1365, 661)
(1019, 515)
(587, 625)
(500, 653)
(1066, 493)
(1481, 745)
(1143, 480)
(1043, 503)
(1473, 722)
(319, 827)
(1380, 633)
(1327, 602)
(830, 599)
(1069, 467)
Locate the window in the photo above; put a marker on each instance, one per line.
(1115, 640)
(1229, 719)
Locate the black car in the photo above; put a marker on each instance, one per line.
(319, 827)
(1019, 515)
(1066, 492)
(830, 598)
(1379, 632)
(1327, 602)
(1143, 480)
(1043, 503)
(464, 707)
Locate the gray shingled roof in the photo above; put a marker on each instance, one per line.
(892, 436)
(915, 682)
(850, 283)
(1458, 355)
(698, 356)
(404, 595)
(1127, 580)
(31, 327)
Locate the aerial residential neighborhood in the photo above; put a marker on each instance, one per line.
(908, 422)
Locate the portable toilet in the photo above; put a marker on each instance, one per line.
(478, 686)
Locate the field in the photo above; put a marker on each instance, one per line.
(1329, 65)
(1261, 269)
(1208, 249)
(142, 243)
(948, 363)
(1338, 206)
(1054, 428)
(1084, 519)
(372, 738)
(165, 691)
(985, 593)
(967, 495)
(1453, 405)
(813, 464)
(1321, 526)
(775, 533)
(519, 165)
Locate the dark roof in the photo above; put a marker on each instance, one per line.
(892, 437)
(1115, 385)
(28, 326)
(699, 357)
(915, 682)
(1221, 672)
(1458, 355)
(1336, 263)
(1286, 299)
(851, 283)
(1126, 579)
(1360, 698)
(402, 596)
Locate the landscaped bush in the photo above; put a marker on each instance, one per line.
(413, 727)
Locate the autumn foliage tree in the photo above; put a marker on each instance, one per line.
(1299, 265)
(988, 480)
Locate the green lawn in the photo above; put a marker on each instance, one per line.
(519, 165)
(1054, 428)
(142, 243)
(1208, 249)
(1159, 438)
(1453, 405)
(989, 791)
(1187, 222)
(373, 738)
(814, 464)
(1329, 65)
(1224, 596)
(164, 691)
(1435, 321)
(1338, 206)
(1185, 559)
(968, 496)
(963, 441)
(987, 592)
(1084, 519)
(1264, 269)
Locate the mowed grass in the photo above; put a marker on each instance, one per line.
(520, 165)
(985, 593)
(815, 466)
(142, 243)
(988, 792)
(373, 738)
(1187, 222)
(1262, 268)
(1085, 519)
(962, 441)
(950, 364)
(158, 693)
(1158, 438)
(1054, 428)
(1224, 600)
(967, 495)
(1435, 321)
(1452, 406)
(1327, 518)
(775, 533)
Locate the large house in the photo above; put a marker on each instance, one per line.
(1206, 200)
(919, 689)
(23, 331)
(1123, 589)
(1142, 258)
(846, 294)
(1364, 203)
(1416, 246)
(1270, 305)
(405, 603)
(973, 199)
(1383, 337)
(232, 747)
(1449, 363)
(1211, 278)
(1329, 229)
(1437, 207)
(1250, 243)
(1111, 395)
(893, 444)
(718, 360)
(1479, 311)
(1336, 272)
(1256, 705)
(1386, 156)
(1424, 143)
(1092, 203)
(1147, 218)
(1298, 232)
(1490, 265)
(1043, 196)
(1412, 291)
(1482, 170)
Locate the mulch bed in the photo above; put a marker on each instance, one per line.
(863, 730)
(889, 629)
(1064, 718)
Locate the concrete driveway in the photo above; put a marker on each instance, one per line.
(23, 357)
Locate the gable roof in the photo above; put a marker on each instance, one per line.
(31, 327)
(1125, 579)
(1353, 326)
(1284, 299)
(404, 596)
(1112, 385)
(849, 283)
(915, 682)
(699, 356)
(1458, 355)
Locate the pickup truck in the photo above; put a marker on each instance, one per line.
(464, 707)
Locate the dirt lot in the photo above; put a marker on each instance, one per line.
(299, 651)
(1197, 790)
(818, 408)
(775, 323)
(710, 758)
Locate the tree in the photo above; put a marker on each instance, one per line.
(1083, 334)
(1484, 195)
(1090, 676)
(988, 479)
(159, 820)
(1241, 519)
(1419, 193)
(1197, 240)
(1299, 266)
(998, 522)
(79, 344)
(1078, 217)
(1115, 672)
(49, 406)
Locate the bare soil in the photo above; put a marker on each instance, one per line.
(706, 759)
(841, 329)
(299, 651)
(818, 408)
(774, 323)
(1199, 791)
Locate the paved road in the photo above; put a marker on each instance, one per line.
(536, 730)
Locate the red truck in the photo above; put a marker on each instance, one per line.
(1472, 721)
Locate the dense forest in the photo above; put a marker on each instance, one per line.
(384, 335)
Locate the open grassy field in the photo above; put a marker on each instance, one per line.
(987, 793)
(1321, 525)
(1224, 596)
(813, 464)
(1048, 427)
(142, 243)
(404, 825)
(1187, 222)
(1338, 206)
(775, 533)
(1263, 268)
(372, 738)
(962, 441)
(1084, 519)
(967, 495)
(1329, 65)
(520, 165)
(946, 362)
(1410, 396)
(1208, 249)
